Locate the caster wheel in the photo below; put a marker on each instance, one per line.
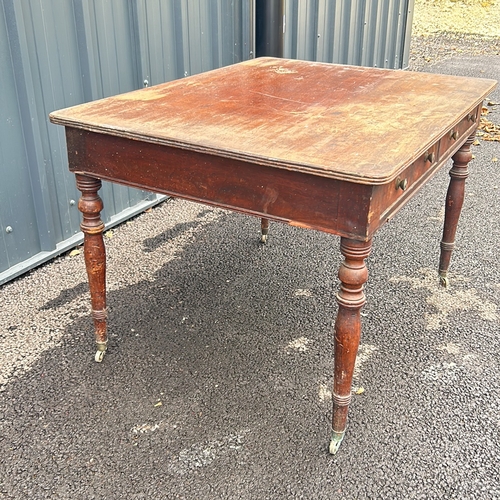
(99, 356)
(263, 238)
(444, 281)
(335, 442)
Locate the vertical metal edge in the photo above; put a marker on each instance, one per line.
(81, 38)
(248, 30)
(293, 22)
(186, 49)
(410, 9)
(135, 32)
(389, 34)
(89, 38)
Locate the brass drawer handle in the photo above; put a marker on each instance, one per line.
(430, 157)
(401, 184)
(454, 135)
(472, 117)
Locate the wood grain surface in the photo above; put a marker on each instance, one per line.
(364, 125)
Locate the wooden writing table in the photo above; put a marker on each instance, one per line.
(334, 148)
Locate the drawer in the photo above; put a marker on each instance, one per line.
(386, 196)
(457, 135)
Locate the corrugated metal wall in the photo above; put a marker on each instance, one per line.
(372, 33)
(58, 53)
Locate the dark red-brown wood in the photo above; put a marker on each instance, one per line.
(353, 274)
(296, 198)
(329, 147)
(90, 205)
(453, 207)
(364, 125)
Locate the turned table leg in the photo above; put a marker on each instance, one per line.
(353, 274)
(454, 202)
(90, 205)
(264, 228)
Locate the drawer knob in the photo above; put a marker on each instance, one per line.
(430, 157)
(454, 135)
(401, 184)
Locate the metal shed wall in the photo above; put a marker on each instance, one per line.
(373, 33)
(58, 53)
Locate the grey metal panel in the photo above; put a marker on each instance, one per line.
(407, 33)
(17, 210)
(183, 37)
(160, 41)
(247, 30)
(46, 31)
(360, 32)
(58, 53)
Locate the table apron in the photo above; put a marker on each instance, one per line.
(299, 199)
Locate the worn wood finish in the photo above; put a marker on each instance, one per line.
(90, 205)
(353, 274)
(454, 201)
(296, 198)
(329, 147)
(364, 125)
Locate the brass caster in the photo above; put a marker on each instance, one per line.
(99, 356)
(444, 281)
(335, 442)
(263, 238)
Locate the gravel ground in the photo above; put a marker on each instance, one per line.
(472, 17)
(217, 380)
(443, 29)
(428, 50)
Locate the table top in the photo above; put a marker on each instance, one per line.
(364, 125)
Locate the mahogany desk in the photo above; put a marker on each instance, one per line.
(334, 148)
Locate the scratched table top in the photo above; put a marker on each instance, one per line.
(359, 124)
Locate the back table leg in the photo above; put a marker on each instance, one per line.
(454, 202)
(264, 228)
(90, 204)
(353, 274)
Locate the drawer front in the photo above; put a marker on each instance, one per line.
(386, 196)
(389, 198)
(452, 140)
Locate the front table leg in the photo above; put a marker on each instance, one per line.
(90, 204)
(353, 274)
(454, 202)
